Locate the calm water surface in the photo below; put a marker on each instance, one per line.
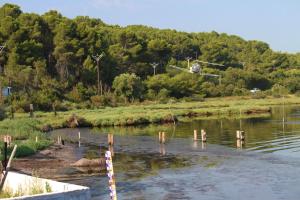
(265, 166)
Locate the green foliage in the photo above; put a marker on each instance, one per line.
(24, 132)
(128, 86)
(48, 60)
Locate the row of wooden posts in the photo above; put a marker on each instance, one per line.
(240, 135)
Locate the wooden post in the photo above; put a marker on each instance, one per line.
(195, 135)
(31, 110)
(78, 135)
(159, 137)
(203, 145)
(203, 135)
(239, 144)
(162, 149)
(58, 139)
(111, 149)
(238, 135)
(195, 144)
(163, 137)
(111, 176)
(7, 139)
(110, 139)
(242, 135)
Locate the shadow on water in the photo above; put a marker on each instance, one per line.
(224, 168)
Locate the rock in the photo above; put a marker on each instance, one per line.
(83, 162)
(46, 152)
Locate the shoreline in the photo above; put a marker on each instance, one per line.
(27, 131)
(146, 114)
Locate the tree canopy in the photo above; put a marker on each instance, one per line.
(49, 58)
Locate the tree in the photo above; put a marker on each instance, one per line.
(128, 86)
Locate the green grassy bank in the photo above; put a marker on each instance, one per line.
(149, 113)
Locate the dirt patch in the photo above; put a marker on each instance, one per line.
(49, 162)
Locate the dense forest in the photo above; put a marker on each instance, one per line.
(55, 62)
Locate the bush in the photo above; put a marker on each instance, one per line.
(108, 99)
(279, 90)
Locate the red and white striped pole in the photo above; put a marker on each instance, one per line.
(111, 176)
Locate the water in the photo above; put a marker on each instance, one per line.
(265, 166)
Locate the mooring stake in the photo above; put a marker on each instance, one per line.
(110, 139)
(195, 135)
(203, 135)
(163, 137)
(159, 137)
(240, 135)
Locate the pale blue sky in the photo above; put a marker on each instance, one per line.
(273, 21)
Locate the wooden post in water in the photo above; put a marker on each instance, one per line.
(79, 136)
(59, 140)
(238, 135)
(195, 135)
(159, 137)
(163, 137)
(203, 145)
(162, 149)
(111, 176)
(242, 135)
(111, 149)
(31, 110)
(110, 139)
(203, 135)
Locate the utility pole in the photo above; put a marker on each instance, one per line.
(1, 49)
(99, 83)
(154, 65)
(188, 59)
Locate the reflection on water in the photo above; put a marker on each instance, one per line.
(279, 132)
(222, 168)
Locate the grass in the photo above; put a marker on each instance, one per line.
(32, 188)
(24, 132)
(162, 113)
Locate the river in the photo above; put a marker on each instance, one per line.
(265, 166)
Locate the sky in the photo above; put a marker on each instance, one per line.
(271, 21)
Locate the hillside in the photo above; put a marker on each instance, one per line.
(48, 61)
